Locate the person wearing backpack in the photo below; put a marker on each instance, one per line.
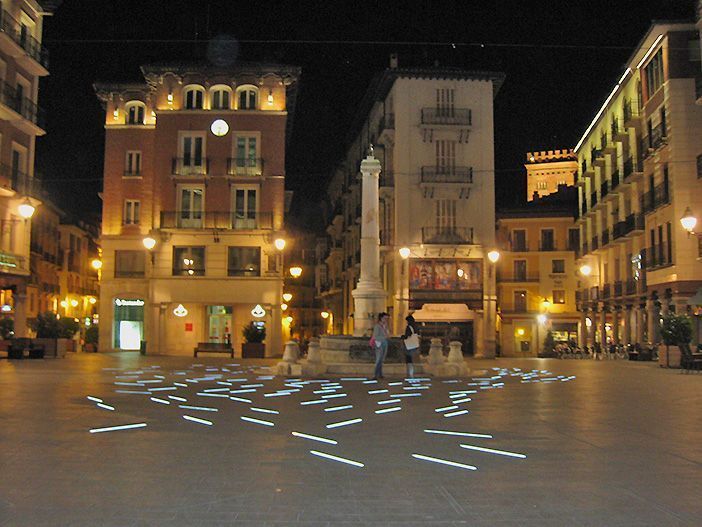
(411, 340)
(379, 343)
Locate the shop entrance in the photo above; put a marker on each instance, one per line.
(128, 328)
(447, 331)
(220, 324)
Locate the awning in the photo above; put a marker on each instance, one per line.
(444, 313)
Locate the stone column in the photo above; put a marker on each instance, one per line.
(626, 330)
(616, 315)
(582, 330)
(652, 321)
(369, 295)
(478, 341)
(590, 331)
(20, 301)
(638, 320)
(603, 327)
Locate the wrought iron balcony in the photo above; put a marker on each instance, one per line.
(630, 286)
(593, 199)
(604, 188)
(605, 237)
(447, 235)
(630, 112)
(244, 166)
(657, 137)
(594, 243)
(618, 288)
(31, 46)
(21, 105)
(453, 174)
(447, 116)
(614, 180)
(547, 246)
(20, 182)
(631, 165)
(224, 220)
(606, 291)
(190, 166)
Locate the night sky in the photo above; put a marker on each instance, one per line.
(561, 59)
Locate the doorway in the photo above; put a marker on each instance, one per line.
(219, 324)
(447, 331)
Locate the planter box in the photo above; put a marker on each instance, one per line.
(668, 356)
(253, 350)
(49, 347)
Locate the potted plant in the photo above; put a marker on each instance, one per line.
(54, 334)
(676, 333)
(549, 346)
(7, 327)
(253, 346)
(68, 328)
(91, 339)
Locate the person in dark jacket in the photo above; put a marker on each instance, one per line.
(410, 330)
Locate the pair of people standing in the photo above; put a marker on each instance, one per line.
(381, 336)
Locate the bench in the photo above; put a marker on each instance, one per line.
(690, 361)
(20, 345)
(213, 347)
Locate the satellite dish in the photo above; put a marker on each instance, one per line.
(223, 50)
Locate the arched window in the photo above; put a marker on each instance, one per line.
(135, 112)
(220, 98)
(193, 97)
(247, 97)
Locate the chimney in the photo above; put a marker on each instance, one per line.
(393, 61)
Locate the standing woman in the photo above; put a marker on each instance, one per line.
(380, 343)
(411, 338)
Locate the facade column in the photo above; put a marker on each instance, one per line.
(639, 324)
(652, 316)
(592, 315)
(20, 318)
(369, 295)
(478, 337)
(603, 327)
(489, 312)
(616, 315)
(626, 329)
(582, 330)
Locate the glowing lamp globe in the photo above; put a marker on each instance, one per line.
(325, 314)
(283, 307)
(92, 300)
(74, 303)
(96, 264)
(296, 271)
(585, 270)
(289, 319)
(493, 256)
(26, 209)
(279, 244)
(542, 319)
(404, 253)
(287, 297)
(689, 220)
(149, 242)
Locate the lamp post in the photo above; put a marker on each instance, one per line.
(689, 222)
(490, 306)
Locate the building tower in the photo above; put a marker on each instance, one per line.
(548, 170)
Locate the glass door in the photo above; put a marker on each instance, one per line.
(245, 208)
(193, 160)
(191, 207)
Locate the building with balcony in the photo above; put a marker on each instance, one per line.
(432, 131)
(194, 164)
(536, 275)
(638, 171)
(78, 278)
(43, 291)
(548, 170)
(23, 61)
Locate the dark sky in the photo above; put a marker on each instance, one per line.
(560, 58)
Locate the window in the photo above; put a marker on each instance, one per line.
(188, 261)
(244, 261)
(664, 127)
(131, 212)
(445, 156)
(541, 185)
(445, 102)
(219, 98)
(573, 239)
(132, 166)
(191, 207)
(558, 296)
(193, 97)
(669, 235)
(129, 264)
(135, 112)
(694, 51)
(520, 270)
(558, 266)
(245, 208)
(699, 166)
(519, 240)
(547, 240)
(654, 73)
(520, 301)
(246, 158)
(247, 97)
(192, 152)
(446, 215)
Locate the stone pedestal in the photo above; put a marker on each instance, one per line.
(456, 365)
(436, 353)
(289, 365)
(313, 365)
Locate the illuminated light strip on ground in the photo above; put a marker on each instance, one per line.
(354, 378)
(225, 395)
(462, 434)
(415, 388)
(451, 381)
(157, 400)
(337, 408)
(462, 400)
(336, 458)
(176, 398)
(237, 380)
(197, 420)
(493, 451)
(444, 462)
(419, 379)
(264, 410)
(388, 410)
(445, 408)
(115, 428)
(105, 406)
(251, 385)
(314, 401)
(372, 381)
(461, 393)
(394, 384)
(94, 399)
(265, 377)
(257, 421)
(459, 412)
(182, 385)
(137, 384)
(388, 401)
(344, 423)
(335, 396)
(372, 392)
(203, 408)
(315, 438)
(248, 390)
(276, 394)
(133, 391)
(148, 381)
(215, 390)
(329, 390)
(223, 383)
(163, 389)
(240, 399)
(406, 395)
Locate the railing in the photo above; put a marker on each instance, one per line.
(585, 249)
(132, 173)
(593, 199)
(244, 166)
(22, 105)
(547, 246)
(655, 256)
(614, 180)
(448, 115)
(594, 244)
(20, 182)
(631, 166)
(606, 291)
(657, 137)
(656, 197)
(583, 166)
(603, 140)
(189, 167)
(216, 220)
(583, 208)
(517, 277)
(604, 189)
(605, 237)
(452, 174)
(519, 247)
(614, 127)
(629, 111)
(594, 154)
(594, 293)
(31, 45)
(10, 263)
(387, 179)
(447, 235)
(630, 286)
(188, 271)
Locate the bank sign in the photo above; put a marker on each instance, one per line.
(129, 303)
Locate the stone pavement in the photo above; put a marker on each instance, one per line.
(618, 444)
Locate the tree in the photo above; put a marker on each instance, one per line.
(47, 326)
(549, 342)
(7, 328)
(253, 333)
(677, 331)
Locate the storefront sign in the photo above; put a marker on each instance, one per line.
(180, 311)
(258, 311)
(188, 326)
(125, 302)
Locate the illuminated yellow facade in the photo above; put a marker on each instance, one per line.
(548, 170)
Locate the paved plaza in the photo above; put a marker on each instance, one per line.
(545, 442)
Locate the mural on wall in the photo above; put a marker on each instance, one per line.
(446, 275)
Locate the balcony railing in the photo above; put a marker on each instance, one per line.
(604, 189)
(448, 115)
(451, 174)
(630, 112)
(29, 44)
(593, 199)
(630, 286)
(519, 247)
(547, 246)
(618, 288)
(655, 198)
(20, 182)
(190, 166)
(605, 237)
(244, 166)
(447, 235)
(630, 166)
(583, 208)
(614, 127)
(655, 256)
(594, 243)
(595, 154)
(657, 137)
(11, 263)
(216, 220)
(606, 291)
(517, 277)
(22, 105)
(614, 180)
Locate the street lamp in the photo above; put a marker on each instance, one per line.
(296, 271)
(283, 307)
(287, 297)
(689, 221)
(149, 242)
(26, 209)
(96, 264)
(493, 256)
(585, 270)
(404, 253)
(325, 314)
(279, 244)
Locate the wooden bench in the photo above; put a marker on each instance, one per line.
(213, 347)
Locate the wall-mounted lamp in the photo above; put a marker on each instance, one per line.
(493, 256)
(287, 297)
(279, 244)
(149, 242)
(296, 271)
(585, 270)
(405, 253)
(26, 209)
(270, 96)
